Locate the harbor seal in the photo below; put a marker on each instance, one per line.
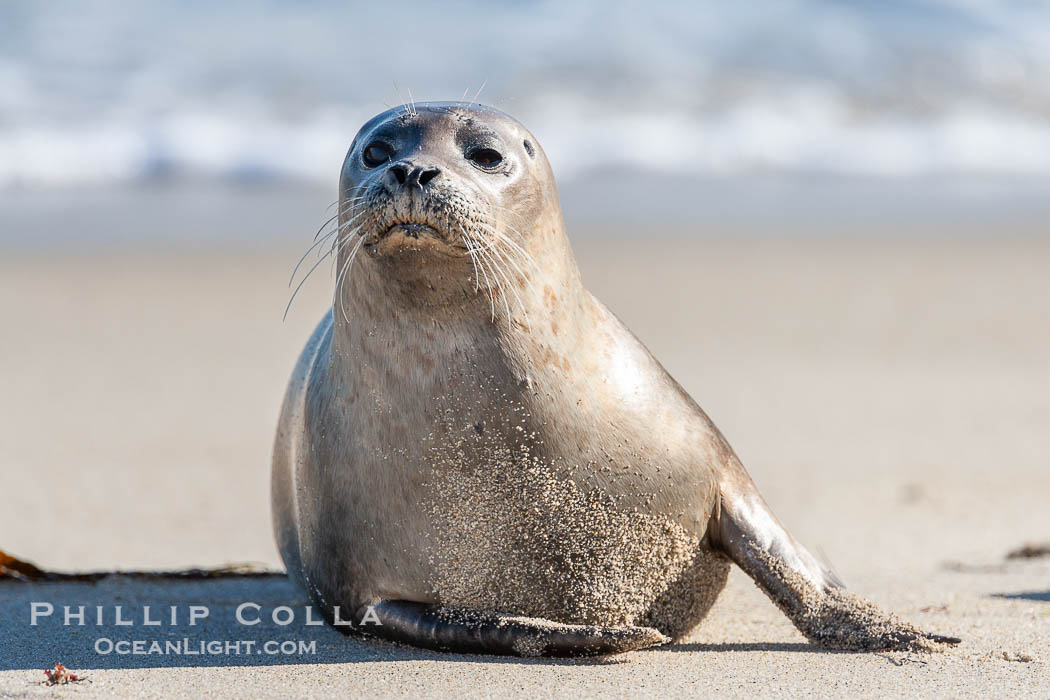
(478, 456)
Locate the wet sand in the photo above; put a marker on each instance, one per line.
(890, 400)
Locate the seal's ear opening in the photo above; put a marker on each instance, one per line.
(529, 149)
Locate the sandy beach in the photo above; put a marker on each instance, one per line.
(890, 400)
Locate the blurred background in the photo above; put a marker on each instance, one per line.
(771, 118)
(828, 220)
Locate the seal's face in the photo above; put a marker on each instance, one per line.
(446, 186)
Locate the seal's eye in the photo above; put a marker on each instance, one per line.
(375, 154)
(487, 158)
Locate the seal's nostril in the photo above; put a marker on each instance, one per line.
(428, 174)
(400, 173)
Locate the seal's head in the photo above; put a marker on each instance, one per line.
(447, 200)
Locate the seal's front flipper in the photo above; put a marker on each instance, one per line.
(808, 593)
(467, 631)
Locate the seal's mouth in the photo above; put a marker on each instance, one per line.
(404, 236)
(408, 236)
(412, 231)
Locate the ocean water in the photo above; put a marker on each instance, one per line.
(199, 123)
(102, 92)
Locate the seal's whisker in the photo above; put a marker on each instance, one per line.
(488, 283)
(514, 244)
(528, 281)
(493, 268)
(401, 99)
(323, 226)
(344, 273)
(478, 93)
(326, 235)
(505, 253)
(331, 249)
(351, 241)
(509, 225)
(473, 259)
(339, 282)
(342, 210)
(344, 226)
(496, 256)
(497, 271)
(317, 242)
(338, 244)
(513, 247)
(351, 221)
(524, 255)
(500, 236)
(507, 210)
(342, 242)
(344, 201)
(301, 283)
(476, 240)
(504, 256)
(308, 251)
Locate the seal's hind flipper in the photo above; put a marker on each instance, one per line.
(808, 593)
(467, 631)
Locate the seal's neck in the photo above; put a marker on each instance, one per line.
(503, 303)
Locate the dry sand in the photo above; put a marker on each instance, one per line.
(891, 401)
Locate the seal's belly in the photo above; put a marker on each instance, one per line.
(512, 534)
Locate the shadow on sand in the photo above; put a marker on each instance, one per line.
(1042, 596)
(142, 620)
(744, 646)
(153, 638)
